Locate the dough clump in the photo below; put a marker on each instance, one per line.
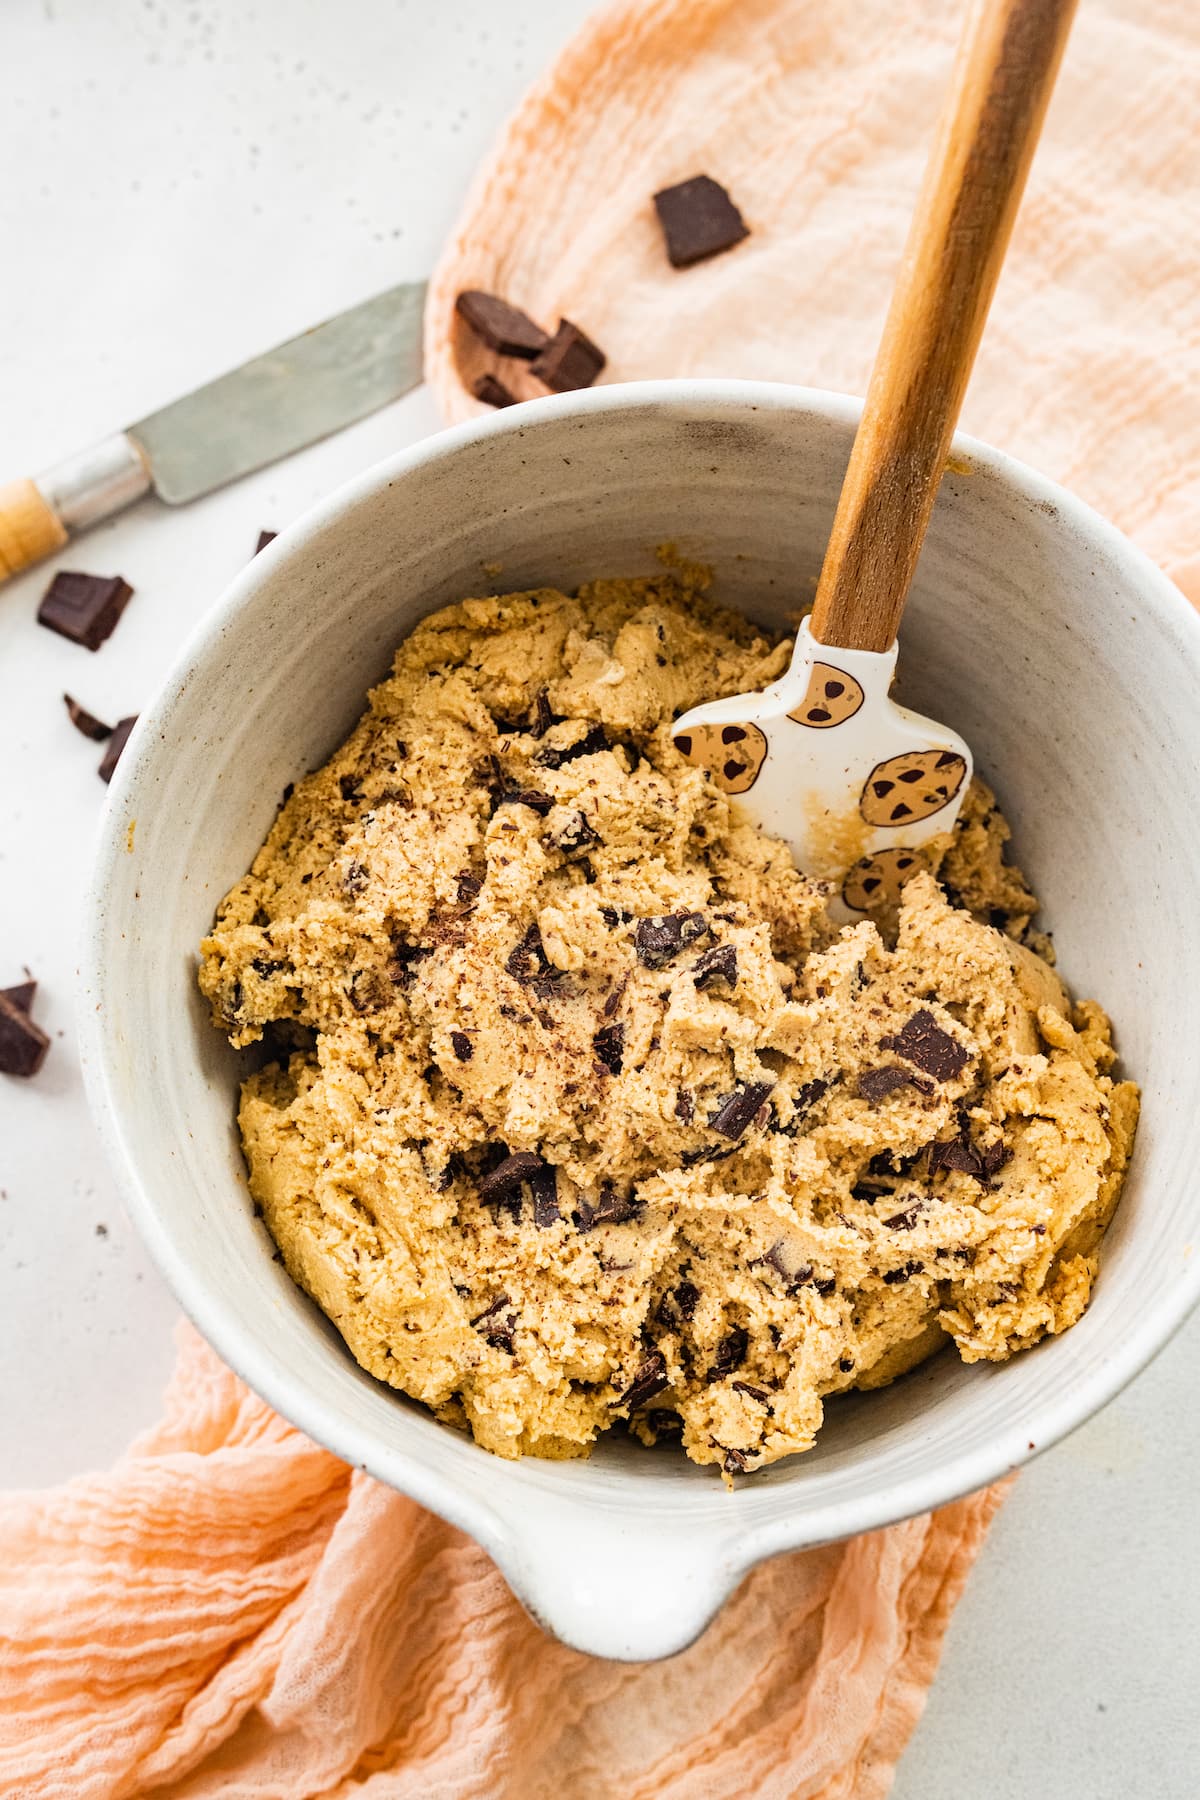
(579, 1110)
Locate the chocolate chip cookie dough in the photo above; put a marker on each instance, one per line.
(579, 1110)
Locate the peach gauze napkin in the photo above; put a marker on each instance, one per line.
(232, 1611)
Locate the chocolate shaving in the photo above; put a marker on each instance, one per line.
(84, 608)
(23, 1045)
(87, 722)
(533, 798)
(717, 964)
(650, 1379)
(115, 745)
(492, 391)
(922, 1041)
(570, 360)
(731, 1353)
(615, 998)
(594, 739)
(544, 1188)
(658, 941)
(755, 1393)
(498, 1331)
(518, 1167)
(462, 1046)
(503, 328)
(610, 1208)
(609, 1046)
(737, 1110)
(698, 220)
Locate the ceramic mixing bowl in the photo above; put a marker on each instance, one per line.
(1071, 665)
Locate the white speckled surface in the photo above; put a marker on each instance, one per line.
(200, 180)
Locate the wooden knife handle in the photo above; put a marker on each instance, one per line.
(1001, 85)
(29, 527)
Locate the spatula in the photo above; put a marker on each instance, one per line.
(824, 759)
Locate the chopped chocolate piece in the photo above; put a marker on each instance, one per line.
(87, 722)
(658, 941)
(731, 1353)
(575, 833)
(594, 739)
(498, 1331)
(23, 1045)
(570, 360)
(21, 996)
(734, 1462)
(685, 1106)
(617, 995)
(544, 1188)
(609, 1045)
(611, 1208)
(504, 1180)
(84, 608)
(894, 1277)
(115, 745)
(405, 956)
(348, 788)
(737, 1109)
(955, 1153)
(904, 1221)
(808, 1095)
(995, 1157)
(698, 220)
(265, 538)
(922, 1041)
(663, 1422)
(503, 328)
(755, 1393)
(533, 798)
(462, 1046)
(527, 960)
(543, 718)
(468, 887)
(717, 964)
(492, 391)
(875, 1085)
(369, 991)
(846, 1364)
(795, 1277)
(354, 880)
(825, 1285)
(650, 1379)
(611, 917)
(710, 1153)
(687, 1298)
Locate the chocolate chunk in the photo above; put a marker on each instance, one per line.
(21, 996)
(533, 798)
(570, 360)
(84, 608)
(594, 739)
(575, 832)
(795, 1277)
(517, 1168)
(610, 1208)
(717, 964)
(492, 391)
(955, 1153)
(115, 745)
(808, 1095)
(875, 1085)
(265, 538)
(468, 887)
(995, 1157)
(348, 788)
(922, 1041)
(894, 1277)
(825, 1285)
(609, 1046)
(734, 1462)
(698, 220)
(405, 957)
(462, 1046)
(731, 1353)
(755, 1393)
(527, 960)
(544, 1188)
(542, 718)
(685, 1106)
(650, 1379)
(663, 1422)
(496, 1329)
(503, 328)
(687, 1298)
(617, 995)
(905, 1221)
(87, 722)
(657, 942)
(23, 1045)
(737, 1109)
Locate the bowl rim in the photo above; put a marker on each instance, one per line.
(737, 1546)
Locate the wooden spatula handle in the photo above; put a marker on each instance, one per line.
(29, 527)
(1005, 70)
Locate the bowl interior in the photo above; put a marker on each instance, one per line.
(1067, 662)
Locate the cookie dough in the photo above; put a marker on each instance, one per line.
(577, 1109)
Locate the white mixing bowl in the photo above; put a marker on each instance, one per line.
(1070, 664)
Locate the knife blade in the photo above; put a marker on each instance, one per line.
(300, 391)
